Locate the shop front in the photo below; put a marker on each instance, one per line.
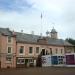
(58, 60)
(70, 59)
(46, 60)
(23, 62)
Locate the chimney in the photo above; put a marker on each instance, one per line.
(14, 34)
(42, 40)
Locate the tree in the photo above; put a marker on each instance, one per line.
(70, 40)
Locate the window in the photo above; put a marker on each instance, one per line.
(21, 49)
(50, 50)
(20, 61)
(60, 59)
(9, 39)
(56, 50)
(30, 49)
(37, 49)
(61, 51)
(9, 49)
(8, 59)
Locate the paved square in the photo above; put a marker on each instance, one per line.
(38, 71)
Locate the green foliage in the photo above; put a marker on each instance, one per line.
(70, 40)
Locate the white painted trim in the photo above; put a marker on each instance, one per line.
(8, 62)
(20, 59)
(46, 55)
(69, 53)
(11, 50)
(58, 55)
(11, 40)
(70, 65)
(62, 65)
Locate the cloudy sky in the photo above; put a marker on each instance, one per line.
(25, 15)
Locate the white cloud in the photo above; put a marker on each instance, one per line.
(60, 12)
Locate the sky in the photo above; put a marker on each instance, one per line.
(26, 15)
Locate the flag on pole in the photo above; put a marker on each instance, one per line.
(41, 15)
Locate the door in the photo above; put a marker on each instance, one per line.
(70, 59)
(43, 51)
(0, 64)
(26, 62)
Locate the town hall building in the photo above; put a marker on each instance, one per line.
(18, 49)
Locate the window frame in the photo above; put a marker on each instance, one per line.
(8, 59)
(31, 49)
(51, 52)
(9, 41)
(20, 60)
(9, 52)
(56, 50)
(23, 50)
(61, 51)
(37, 50)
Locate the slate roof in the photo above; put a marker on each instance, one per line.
(5, 31)
(29, 38)
(22, 37)
(58, 42)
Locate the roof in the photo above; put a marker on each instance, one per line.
(5, 31)
(30, 38)
(53, 31)
(22, 37)
(58, 42)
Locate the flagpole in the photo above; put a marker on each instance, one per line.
(41, 25)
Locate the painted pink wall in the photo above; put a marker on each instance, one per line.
(26, 49)
(4, 45)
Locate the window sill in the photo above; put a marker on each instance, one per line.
(8, 62)
(30, 54)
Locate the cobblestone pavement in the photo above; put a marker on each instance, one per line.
(38, 71)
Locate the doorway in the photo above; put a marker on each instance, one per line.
(0, 64)
(43, 52)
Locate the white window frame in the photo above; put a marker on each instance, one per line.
(21, 59)
(11, 50)
(59, 60)
(7, 61)
(11, 40)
